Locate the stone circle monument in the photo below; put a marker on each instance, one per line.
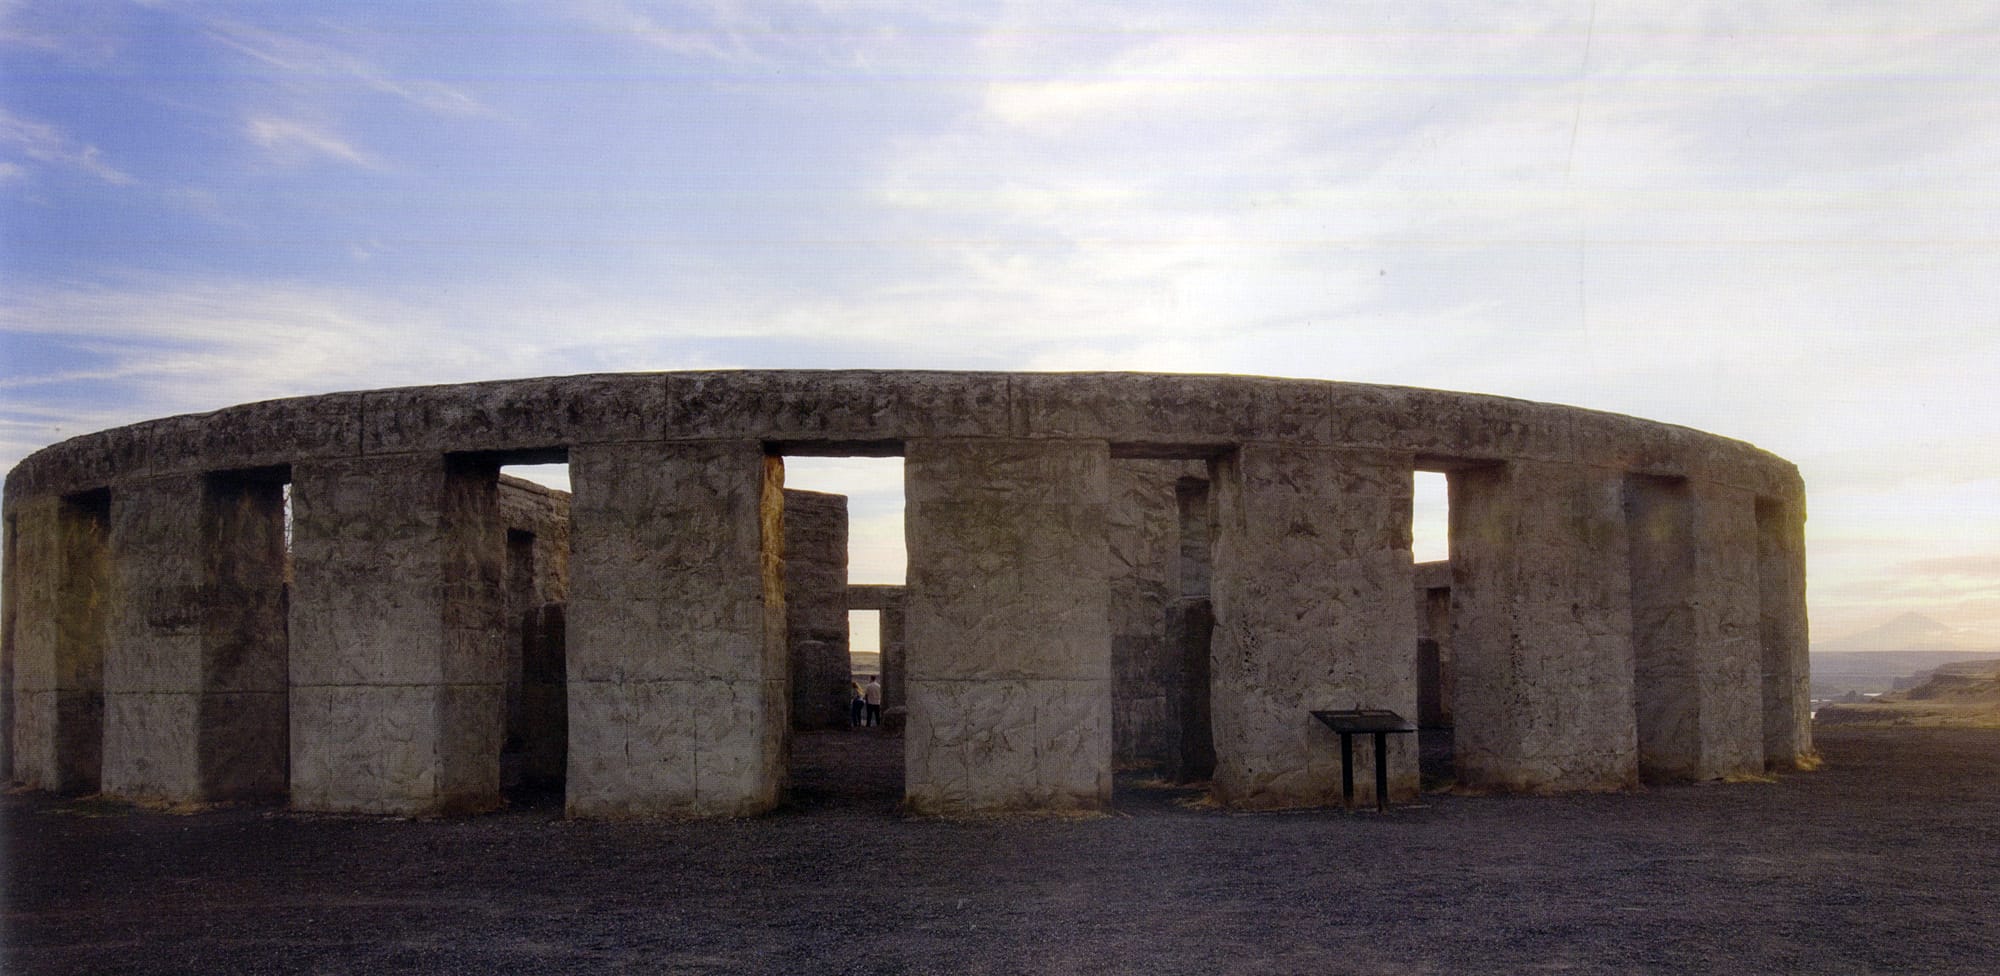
(339, 599)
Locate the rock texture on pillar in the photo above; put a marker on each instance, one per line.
(1009, 647)
(677, 675)
(195, 674)
(816, 608)
(64, 562)
(1696, 657)
(1781, 575)
(397, 637)
(1312, 611)
(1541, 628)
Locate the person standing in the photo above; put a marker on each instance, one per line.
(854, 708)
(873, 696)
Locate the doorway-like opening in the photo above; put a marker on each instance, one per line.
(532, 516)
(1160, 533)
(845, 561)
(1430, 550)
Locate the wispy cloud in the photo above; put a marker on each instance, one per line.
(304, 63)
(295, 141)
(716, 43)
(45, 143)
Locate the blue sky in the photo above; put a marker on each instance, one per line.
(1778, 222)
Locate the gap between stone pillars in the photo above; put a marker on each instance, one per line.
(678, 680)
(1008, 648)
(396, 636)
(1542, 628)
(1311, 589)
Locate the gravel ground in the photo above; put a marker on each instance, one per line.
(1887, 860)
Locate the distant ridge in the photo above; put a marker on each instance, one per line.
(1908, 632)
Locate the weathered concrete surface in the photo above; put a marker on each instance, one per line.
(1697, 672)
(9, 621)
(1009, 644)
(62, 556)
(1787, 684)
(195, 672)
(816, 608)
(397, 637)
(1542, 628)
(1553, 640)
(1312, 611)
(678, 696)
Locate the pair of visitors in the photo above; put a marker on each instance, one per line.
(872, 696)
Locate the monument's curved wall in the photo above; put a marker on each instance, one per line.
(1627, 597)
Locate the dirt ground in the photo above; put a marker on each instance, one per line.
(1887, 860)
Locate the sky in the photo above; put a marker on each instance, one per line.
(1777, 222)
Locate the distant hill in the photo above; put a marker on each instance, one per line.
(1960, 693)
(1909, 632)
(1869, 672)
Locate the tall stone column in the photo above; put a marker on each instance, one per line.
(1541, 628)
(895, 671)
(816, 609)
(195, 674)
(1008, 646)
(397, 636)
(10, 577)
(1312, 606)
(1781, 576)
(1696, 664)
(61, 556)
(678, 690)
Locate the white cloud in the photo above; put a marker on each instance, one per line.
(45, 143)
(295, 141)
(307, 65)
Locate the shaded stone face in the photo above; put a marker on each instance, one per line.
(338, 599)
(816, 608)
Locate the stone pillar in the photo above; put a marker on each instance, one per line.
(62, 558)
(1009, 645)
(894, 666)
(1696, 658)
(1312, 611)
(397, 636)
(816, 609)
(9, 579)
(678, 693)
(1781, 577)
(1541, 628)
(195, 674)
